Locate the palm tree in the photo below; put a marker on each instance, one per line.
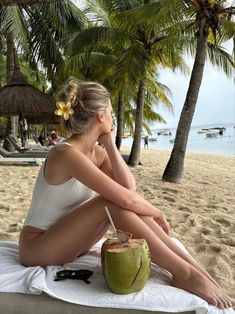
(138, 52)
(210, 18)
(204, 24)
(159, 50)
(40, 31)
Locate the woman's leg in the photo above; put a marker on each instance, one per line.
(175, 248)
(165, 257)
(73, 234)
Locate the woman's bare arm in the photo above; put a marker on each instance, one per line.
(79, 166)
(114, 165)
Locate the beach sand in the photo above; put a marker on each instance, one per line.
(200, 210)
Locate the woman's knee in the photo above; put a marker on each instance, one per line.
(113, 208)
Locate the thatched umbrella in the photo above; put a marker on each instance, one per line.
(18, 96)
(48, 118)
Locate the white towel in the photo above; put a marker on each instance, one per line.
(157, 294)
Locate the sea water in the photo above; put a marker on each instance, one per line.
(220, 145)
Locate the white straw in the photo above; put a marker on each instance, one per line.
(111, 222)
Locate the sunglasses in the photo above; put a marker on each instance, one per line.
(81, 274)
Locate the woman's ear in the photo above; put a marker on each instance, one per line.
(100, 117)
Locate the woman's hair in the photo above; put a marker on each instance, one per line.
(86, 98)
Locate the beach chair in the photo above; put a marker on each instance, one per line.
(15, 144)
(34, 149)
(16, 303)
(26, 157)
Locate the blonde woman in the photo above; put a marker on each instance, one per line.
(65, 219)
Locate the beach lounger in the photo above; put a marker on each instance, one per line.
(15, 144)
(27, 290)
(35, 148)
(27, 154)
(29, 157)
(16, 303)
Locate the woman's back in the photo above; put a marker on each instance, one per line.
(51, 202)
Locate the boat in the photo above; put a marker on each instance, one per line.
(164, 132)
(220, 130)
(153, 139)
(212, 133)
(202, 131)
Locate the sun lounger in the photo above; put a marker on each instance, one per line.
(15, 144)
(26, 157)
(27, 154)
(27, 290)
(34, 148)
(16, 303)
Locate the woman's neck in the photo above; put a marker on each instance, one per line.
(85, 142)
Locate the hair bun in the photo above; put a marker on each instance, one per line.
(73, 91)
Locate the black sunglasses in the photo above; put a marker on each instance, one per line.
(81, 274)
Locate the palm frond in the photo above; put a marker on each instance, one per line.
(64, 14)
(158, 92)
(130, 66)
(228, 30)
(91, 65)
(157, 12)
(98, 12)
(223, 60)
(13, 22)
(44, 45)
(98, 35)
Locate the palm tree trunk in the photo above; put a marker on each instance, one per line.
(120, 121)
(11, 121)
(136, 145)
(175, 166)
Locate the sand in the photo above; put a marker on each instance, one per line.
(200, 210)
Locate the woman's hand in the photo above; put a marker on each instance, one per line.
(106, 138)
(162, 222)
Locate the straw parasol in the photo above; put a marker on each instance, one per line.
(18, 96)
(44, 118)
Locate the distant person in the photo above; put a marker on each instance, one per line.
(43, 140)
(54, 138)
(23, 129)
(146, 142)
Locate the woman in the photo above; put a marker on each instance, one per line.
(42, 139)
(64, 220)
(54, 138)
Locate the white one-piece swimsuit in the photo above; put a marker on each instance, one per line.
(52, 202)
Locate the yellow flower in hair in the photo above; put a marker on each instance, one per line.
(64, 109)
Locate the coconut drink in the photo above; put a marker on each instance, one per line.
(125, 261)
(125, 265)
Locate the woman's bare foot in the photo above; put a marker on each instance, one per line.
(204, 272)
(201, 286)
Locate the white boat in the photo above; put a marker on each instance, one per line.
(202, 131)
(213, 133)
(152, 139)
(209, 130)
(164, 132)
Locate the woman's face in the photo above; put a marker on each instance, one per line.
(108, 117)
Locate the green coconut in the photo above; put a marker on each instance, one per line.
(126, 266)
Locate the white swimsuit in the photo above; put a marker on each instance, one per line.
(52, 202)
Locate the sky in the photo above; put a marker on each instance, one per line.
(216, 101)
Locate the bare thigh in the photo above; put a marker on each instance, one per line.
(70, 237)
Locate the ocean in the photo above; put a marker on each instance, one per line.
(197, 142)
